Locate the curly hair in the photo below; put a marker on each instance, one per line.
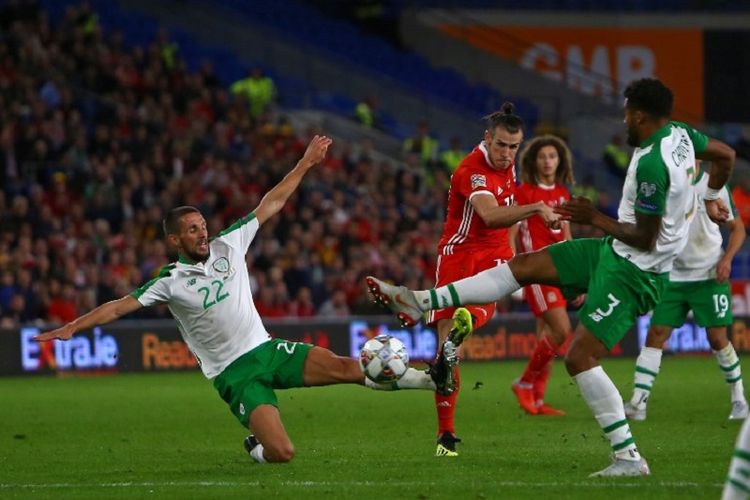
(564, 172)
(650, 96)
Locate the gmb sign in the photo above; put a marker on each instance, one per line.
(601, 61)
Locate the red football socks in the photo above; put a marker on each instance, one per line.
(446, 408)
(540, 359)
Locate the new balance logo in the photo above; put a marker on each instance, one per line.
(445, 302)
(191, 282)
(599, 315)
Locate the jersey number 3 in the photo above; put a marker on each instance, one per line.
(218, 296)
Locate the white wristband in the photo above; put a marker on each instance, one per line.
(711, 194)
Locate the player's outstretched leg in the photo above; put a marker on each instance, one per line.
(399, 299)
(323, 367)
(484, 287)
(412, 379)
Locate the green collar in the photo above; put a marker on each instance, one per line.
(182, 259)
(658, 134)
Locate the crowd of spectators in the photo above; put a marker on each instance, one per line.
(97, 140)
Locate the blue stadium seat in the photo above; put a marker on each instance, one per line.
(304, 23)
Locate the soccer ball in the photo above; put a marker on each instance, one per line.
(384, 359)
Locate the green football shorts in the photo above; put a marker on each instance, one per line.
(249, 380)
(618, 291)
(711, 303)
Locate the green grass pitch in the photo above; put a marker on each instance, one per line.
(170, 436)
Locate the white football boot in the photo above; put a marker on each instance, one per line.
(740, 410)
(634, 413)
(399, 299)
(621, 467)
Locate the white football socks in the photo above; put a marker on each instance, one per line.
(605, 402)
(416, 379)
(482, 288)
(646, 369)
(412, 379)
(730, 367)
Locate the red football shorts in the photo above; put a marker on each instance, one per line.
(541, 298)
(460, 265)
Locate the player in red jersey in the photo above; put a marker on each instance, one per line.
(481, 208)
(546, 166)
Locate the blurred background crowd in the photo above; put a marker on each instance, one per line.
(98, 139)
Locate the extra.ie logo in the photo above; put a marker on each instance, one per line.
(78, 353)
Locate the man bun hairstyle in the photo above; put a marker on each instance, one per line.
(171, 222)
(651, 96)
(505, 118)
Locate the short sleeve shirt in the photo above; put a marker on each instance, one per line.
(464, 230)
(659, 182)
(211, 301)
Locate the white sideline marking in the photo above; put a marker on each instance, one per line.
(223, 484)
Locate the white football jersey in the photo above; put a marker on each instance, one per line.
(659, 182)
(211, 301)
(697, 262)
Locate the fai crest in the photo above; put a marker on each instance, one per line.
(221, 265)
(647, 189)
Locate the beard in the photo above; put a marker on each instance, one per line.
(632, 137)
(196, 256)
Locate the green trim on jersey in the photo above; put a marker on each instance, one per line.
(652, 180)
(698, 177)
(700, 140)
(163, 273)
(657, 136)
(184, 260)
(237, 224)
